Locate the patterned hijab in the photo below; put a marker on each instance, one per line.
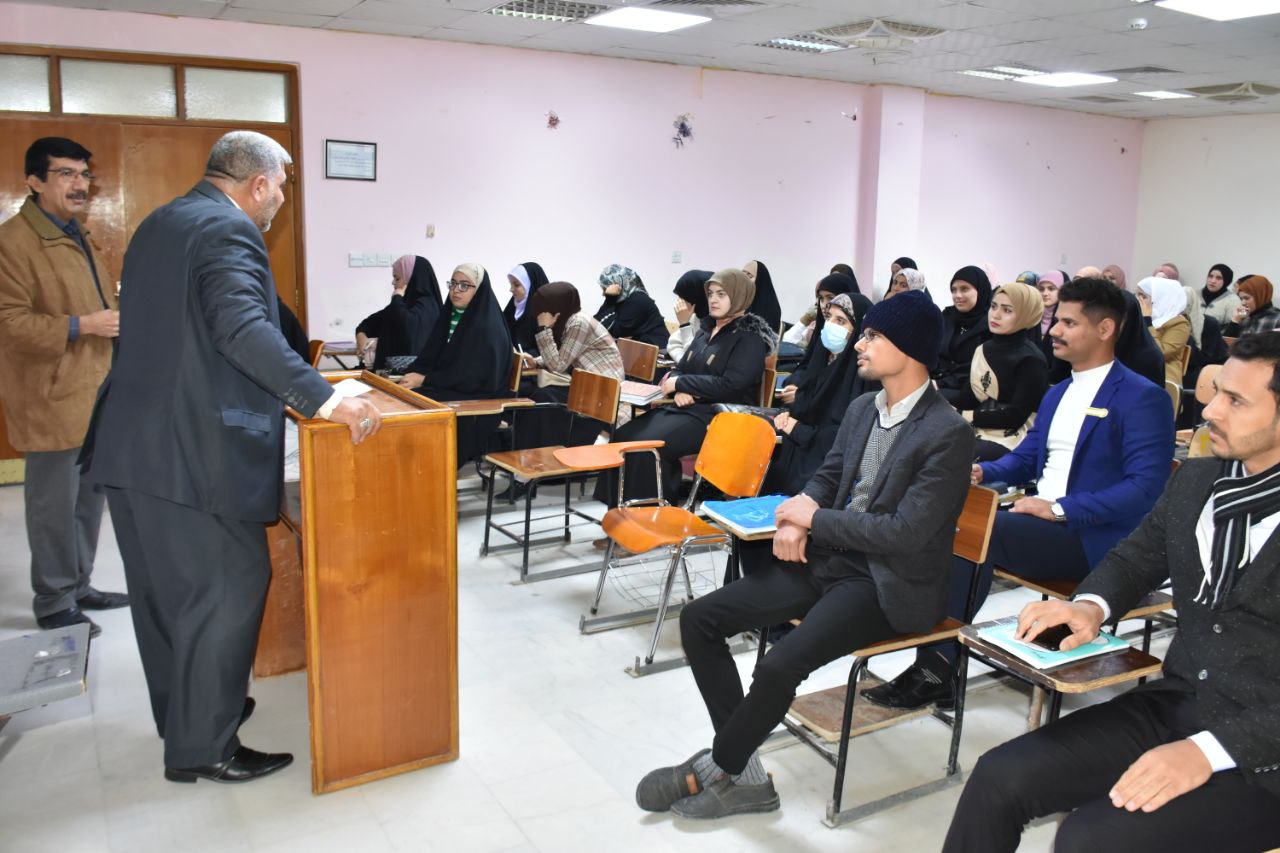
(625, 277)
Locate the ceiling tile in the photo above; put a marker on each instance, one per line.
(404, 13)
(270, 16)
(386, 28)
(299, 7)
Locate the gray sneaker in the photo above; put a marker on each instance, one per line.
(662, 787)
(723, 798)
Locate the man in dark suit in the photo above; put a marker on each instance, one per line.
(187, 439)
(1192, 761)
(1099, 451)
(862, 554)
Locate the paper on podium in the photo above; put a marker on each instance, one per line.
(351, 388)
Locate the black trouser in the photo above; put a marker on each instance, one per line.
(1022, 544)
(197, 583)
(988, 451)
(547, 427)
(840, 613)
(683, 433)
(63, 514)
(1073, 763)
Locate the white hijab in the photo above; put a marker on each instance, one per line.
(1168, 299)
(521, 275)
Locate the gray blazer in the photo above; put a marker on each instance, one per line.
(907, 532)
(1228, 660)
(192, 408)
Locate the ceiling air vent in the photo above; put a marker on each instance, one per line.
(1099, 99)
(803, 43)
(1235, 92)
(1134, 72)
(879, 34)
(558, 11)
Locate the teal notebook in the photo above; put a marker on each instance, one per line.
(1001, 634)
(748, 515)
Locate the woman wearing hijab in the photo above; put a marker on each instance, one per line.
(568, 340)
(1113, 274)
(904, 280)
(808, 427)
(765, 306)
(1256, 313)
(691, 310)
(848, 270)
(1009, 373)
(903, 263)
(724, 364)
(627, 310)
(397, 333)
(1048, 286)
(1135, 348)
(1218, 296)
(467, 356)
(1164, 304)
(964, 330)
(826, 289)
(525, 280)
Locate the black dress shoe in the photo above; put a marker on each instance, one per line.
(96, 599)
(67, 618)
(913, 689)
(244, 766)
(249, 705)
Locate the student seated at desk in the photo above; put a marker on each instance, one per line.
(765, 305)
(824, 291)
(568, 340)
(860, 555)
(723, 365)
(525, 279)
(1189, 761)
(398, 332)
(1164, 307)
(627, 310)
(809, 425)
(1100, 448)
(1256, 313)
(691, 310)
(1008, 375)
(467, 356)
(966, 329)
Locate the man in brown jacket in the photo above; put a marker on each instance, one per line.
(58, 319)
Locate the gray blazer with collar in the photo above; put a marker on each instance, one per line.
(906, 534)
(1229, 659)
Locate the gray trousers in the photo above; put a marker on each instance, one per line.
(197, 587)
(64, 514)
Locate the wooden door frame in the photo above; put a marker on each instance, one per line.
(179, 63)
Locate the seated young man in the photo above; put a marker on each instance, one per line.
(1100, 448)
(1192, 761)
(861, 554)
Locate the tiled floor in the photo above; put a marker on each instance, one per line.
(554, 738)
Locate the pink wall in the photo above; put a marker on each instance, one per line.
(1022, 187)
(770, 174)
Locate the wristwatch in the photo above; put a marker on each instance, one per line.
(1058, 513)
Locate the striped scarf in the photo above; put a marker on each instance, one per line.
(1238, 499)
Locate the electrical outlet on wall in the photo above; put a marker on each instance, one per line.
(677, 257)
(1063, 259)
(431, 230)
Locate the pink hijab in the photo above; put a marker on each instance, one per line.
(1117, 272)
(1056, 278)
(404, 266)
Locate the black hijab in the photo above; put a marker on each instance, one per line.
(765, 305)
(522, 330)
(978, 279)
(835, 284)
(691, 287)
(559, 298)
(293, 331)
(408, 323)
(1135, 348)
(903, 263)
(1227, 277)
(476, 361)
(829, 383)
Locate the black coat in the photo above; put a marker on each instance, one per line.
(1022, 376)
(636, 317)
(294, 334)
(193, 408)
(726, 368)
(403, 325)
(961, 337)
(474, 364)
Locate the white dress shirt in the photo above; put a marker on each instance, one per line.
(890, 418)
(1064, 430)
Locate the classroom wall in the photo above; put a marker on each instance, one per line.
(1208, 194)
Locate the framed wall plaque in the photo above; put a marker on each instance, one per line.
(350, 161)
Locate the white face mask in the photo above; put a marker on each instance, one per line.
(835, 338)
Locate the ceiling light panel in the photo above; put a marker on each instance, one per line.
(987, 75)
(646, 19)
(1161, 95)
(804, 43)
(1223, 10)
(1067, 78)
(559, 11)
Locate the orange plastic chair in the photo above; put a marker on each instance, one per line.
(734, 458)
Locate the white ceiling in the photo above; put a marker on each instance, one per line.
(1054, 35)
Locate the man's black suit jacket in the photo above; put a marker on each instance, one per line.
(1229, 659)
(191, 411)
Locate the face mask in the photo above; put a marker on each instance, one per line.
(835, 338)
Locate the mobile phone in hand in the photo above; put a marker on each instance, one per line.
(1051, 638)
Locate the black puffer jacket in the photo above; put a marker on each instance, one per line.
(726, 368)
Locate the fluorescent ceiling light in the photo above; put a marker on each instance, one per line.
(1164, 96)
(1223, 10)
(989, 75)
(1067, 78)
(1017, 71)
(646, 19)
(804, 45)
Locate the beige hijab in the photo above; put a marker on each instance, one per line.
(475, 272)
(741, 290)
(1028, 307)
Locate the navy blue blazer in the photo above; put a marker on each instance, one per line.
(1122, 459)
(192, 409)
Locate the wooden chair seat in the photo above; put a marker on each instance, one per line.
(643, 528)
(601, 457)
(532, 464)
(495, 406)
(947, 629)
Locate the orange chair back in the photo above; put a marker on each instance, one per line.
(594, 396)
(735, 454)
(315, 349)
(513, 378)
(1204, 383)
(973, 528)
(639, 360)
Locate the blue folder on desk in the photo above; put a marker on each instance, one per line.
(745, 515)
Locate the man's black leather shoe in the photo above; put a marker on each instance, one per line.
(244, 766)
(913, 689)
(67, 618)
(96, 599)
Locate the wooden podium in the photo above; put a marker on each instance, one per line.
(364, 589)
